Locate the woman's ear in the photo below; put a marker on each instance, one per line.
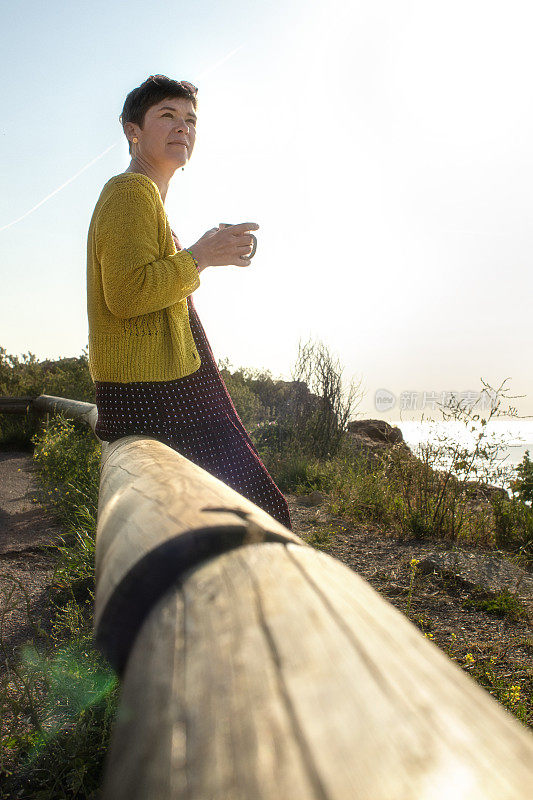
(131, 130)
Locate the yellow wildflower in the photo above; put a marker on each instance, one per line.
(514, 694)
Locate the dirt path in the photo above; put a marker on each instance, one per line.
(26, 565)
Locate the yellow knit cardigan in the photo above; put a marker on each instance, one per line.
(137, 285)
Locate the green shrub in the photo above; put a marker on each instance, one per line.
(291, 471)
(359, 489)
(65, 377)
(67, 456)
(271, 435)
(522, 486)
(27, 377)
(504, 604)
(514, 527)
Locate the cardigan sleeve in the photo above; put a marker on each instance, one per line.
(135, 280)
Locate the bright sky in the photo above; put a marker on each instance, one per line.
(385, 149)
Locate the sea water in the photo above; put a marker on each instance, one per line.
(513, 437)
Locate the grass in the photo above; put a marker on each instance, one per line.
(321, 537)
(58, 699)
(406, 497)
(402, 493)
(502, 605)
(483, 668)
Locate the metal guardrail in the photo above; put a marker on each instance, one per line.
(254, 666)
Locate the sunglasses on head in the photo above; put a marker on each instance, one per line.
(190, 87)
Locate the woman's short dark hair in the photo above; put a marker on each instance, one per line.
(154, 89)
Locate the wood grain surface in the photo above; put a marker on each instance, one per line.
(274, 672)
(158, 515)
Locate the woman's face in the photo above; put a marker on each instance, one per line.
(168, 135)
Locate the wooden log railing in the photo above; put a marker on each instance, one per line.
(256, 667)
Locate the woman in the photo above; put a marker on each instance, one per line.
(150, 360)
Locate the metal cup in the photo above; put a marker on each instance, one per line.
(254, 243)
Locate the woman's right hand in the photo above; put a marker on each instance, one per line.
(220, 247)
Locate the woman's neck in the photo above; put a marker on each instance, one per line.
(160, 178)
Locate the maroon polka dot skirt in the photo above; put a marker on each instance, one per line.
(194, 415)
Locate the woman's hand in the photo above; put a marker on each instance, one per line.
(220, 247)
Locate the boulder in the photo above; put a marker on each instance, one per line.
(315, 498)
(377, 430)
(490, 572)
(485, 491)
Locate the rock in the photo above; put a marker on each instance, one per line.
(485, 491)
(377, 430)
(371, 439)
(492, 573)
(313, 499)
